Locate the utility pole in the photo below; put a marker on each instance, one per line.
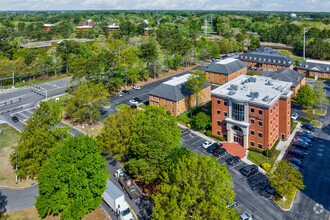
(304, 45)
(205, 26)
(16, 166)
(13, 73)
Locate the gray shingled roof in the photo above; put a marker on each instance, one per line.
(174, 92)
(287, 75)
(225, 68)
(267, 58)
(267, 50)
(320, 66)
(202, 68)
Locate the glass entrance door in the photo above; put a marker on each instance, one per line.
(239, 139)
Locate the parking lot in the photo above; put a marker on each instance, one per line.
(249, 190)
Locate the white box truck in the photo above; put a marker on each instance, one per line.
(116, 201)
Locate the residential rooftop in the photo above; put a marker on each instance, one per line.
(256, 90)
(226, 66)
(175, 89)
(315, 65)
(49, 43)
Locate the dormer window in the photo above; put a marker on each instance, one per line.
(269, 60)
(256, 58)
(259, 59)
(327, 68)
(290, 61)
(283, 62)
(245, 57)
(279, 61)
(264, 59)
(274, 61)
(250, 58)
(306, 66)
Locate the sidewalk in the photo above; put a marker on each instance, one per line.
(198, 134)
(283, 145)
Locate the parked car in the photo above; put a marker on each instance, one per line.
(15, 119)
(301, 143)
(234, 204)
(308, 127)
(295, 148)
(185, 131)
(133, 102)
(305, 134)
(249, 170)
(295, 161)
(306, 139)
(309, 124)
(295, 167)
(136, 87)
(133, 106)
(294, 116)
(218, 152)
(206, 144)
(296, 153)
(212, 148)
(271, 190)
(138, 100)
(246, 216)
(125, 91)
(119, 94)
(233, 160)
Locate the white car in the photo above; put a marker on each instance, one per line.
(207, 144)
(294, 116)
(119, 94)
(246, 216)
(133, 102)
(137, 87)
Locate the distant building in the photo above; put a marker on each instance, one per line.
(175, 97)
(47, 27)
(293, 15)
(112, 28)
(82, 28)
(267, 58)
(87, 23)
(223, 71)
(315, 68)
(252, 111)
(289, 75)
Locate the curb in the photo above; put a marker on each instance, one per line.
(286, 210)
(18, 188)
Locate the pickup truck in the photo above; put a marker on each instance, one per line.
(115, 199)
(127, 184)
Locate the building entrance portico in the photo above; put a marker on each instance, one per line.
(237, 132)
(238, 135)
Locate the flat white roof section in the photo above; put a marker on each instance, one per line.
(256, 90)
(226, 61)
(177, 80)
(318, 61)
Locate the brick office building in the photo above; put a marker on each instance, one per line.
(252, 111)
(113, 28)
(267, 58)
(315, 68)
(288, 75)
(175, 97)
(87, 23)
(223, 71)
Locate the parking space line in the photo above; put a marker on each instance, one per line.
(23, 115)
(236, 164)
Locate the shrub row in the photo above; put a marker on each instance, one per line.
(265, 152)
(209, 133)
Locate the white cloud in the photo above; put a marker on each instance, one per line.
(272, 7)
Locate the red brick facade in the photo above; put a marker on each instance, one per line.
(219, 78)
(313, 73)
(266, 66)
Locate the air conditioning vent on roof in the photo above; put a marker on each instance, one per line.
(279, 88)
(254, 95)
(252, 79)
(266, 99)
(233, 87)
(269, 83)
(231, 92)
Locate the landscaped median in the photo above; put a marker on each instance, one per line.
(9, 138)
(121, 107)
(285, 204)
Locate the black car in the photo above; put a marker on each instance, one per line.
(133, 106)
(309, 124)
(125, 91)
(301, 143)
(212, 148)
(296, 153)
(138, 100)
(249, 170)
(308, 127)
(233, 160)
(218, 152)
(15, 119)
(305, 139)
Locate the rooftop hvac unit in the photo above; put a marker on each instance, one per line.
(254, 95)
(233, 87)
(279, 88)
(269, 83)
(253, 79)
(231, 92)
(266, 99)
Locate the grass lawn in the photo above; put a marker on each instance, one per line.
(143, 106)
(259, 159)
(293, 126)
(59, 104)
(317, 111)
(316, 123)
(36, 81)
(121, 106)
(284, 204)
(9, 138)
(304, 120)
(32, 214)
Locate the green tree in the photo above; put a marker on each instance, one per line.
(201, 120)
(254, 43)
(128, 59)
(198, 187)
(321, 97)
(73, 179)
(56, 59)
(306, 96)
(42, 134)
(286, 179)
(86, 102)
(195, 83)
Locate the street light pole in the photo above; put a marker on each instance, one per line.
(16, 166)
(13, 73)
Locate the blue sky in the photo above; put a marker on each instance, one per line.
(260, 5)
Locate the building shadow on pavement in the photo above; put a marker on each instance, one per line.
(3, 204)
